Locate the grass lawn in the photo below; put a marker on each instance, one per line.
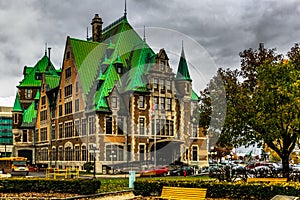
(118, 184)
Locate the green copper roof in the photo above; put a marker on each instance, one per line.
(17, 106)
(42, 67)
(81, 49)
(37, 96)
(87, 55)
(141, 61)
(52, 81)
(194, 96)
(183, 71)
(29, 115)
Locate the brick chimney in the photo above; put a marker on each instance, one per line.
(97, 28)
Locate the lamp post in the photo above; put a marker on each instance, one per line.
(95, 150)
(112, 156)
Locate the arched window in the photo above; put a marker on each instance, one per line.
(68, 153)
(83, 153)
(77, 153)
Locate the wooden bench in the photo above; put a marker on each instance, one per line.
(183, 193)
(271, 180)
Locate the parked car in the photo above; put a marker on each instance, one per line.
(155, 171)
(179, 171)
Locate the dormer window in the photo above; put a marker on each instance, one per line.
(28, 93)
(119, 69)
(162, 65)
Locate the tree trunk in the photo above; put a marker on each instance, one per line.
(285, 164)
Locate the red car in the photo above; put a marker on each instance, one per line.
(155, 171)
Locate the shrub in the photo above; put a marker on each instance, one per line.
(221, 189)
(75, 186)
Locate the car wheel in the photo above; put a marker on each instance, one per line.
(178, 173)
(164, 174)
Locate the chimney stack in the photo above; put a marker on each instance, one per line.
(97, 28)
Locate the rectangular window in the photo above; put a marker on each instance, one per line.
(68, 108)
(162, 84)
(24, 136)
(120, 126)
(83, 124)
(114, 102)
(60, 153)
(43, 115)
(60, 110)
(167, 128)
(169, 104)
(114, 153)
(157, 127)
(171, 128)
(162, 65)
(77, 153)
(16, 118)
(194, 130)
(69, 129)
(83, 153)
(53, 153)
(60, 131)
(195, 153)
(155, 83)
(142, 126)
(28, 93)
(108, 125)
(141, 102)
(162, 103)
(142, 152)
(43, 100)
(91, 125)
(77, 127)
(168, 85)
(68, 72)
(68, 55)
(155, 103)
(68, 91)
(187, 87)
(53, 135)
(43, 134)
(76, 87)
(76, 105)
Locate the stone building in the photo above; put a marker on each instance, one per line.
(6, 137)
(114, 100)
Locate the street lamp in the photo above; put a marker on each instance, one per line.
(95, 150)
(112, 156)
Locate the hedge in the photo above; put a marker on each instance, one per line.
(221, 189)
(75, 186)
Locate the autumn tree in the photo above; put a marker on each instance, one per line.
(263, 101)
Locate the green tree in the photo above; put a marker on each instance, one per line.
(263, 101)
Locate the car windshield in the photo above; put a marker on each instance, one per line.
(19, 163)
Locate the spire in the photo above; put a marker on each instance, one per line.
(125, 10)
(87, 33)
(144, 33)
(46, 49)
(183, 70)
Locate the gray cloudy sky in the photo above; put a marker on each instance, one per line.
(222, 27)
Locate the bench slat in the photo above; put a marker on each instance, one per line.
(183, 193)
(273, 180)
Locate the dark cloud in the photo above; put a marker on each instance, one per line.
(222, 28)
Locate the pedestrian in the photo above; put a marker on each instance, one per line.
(184, 173)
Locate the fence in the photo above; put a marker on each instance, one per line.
(65, 173)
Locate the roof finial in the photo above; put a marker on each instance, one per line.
(87, 33)
(144, 33)
(46, 49)
(125, 10)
